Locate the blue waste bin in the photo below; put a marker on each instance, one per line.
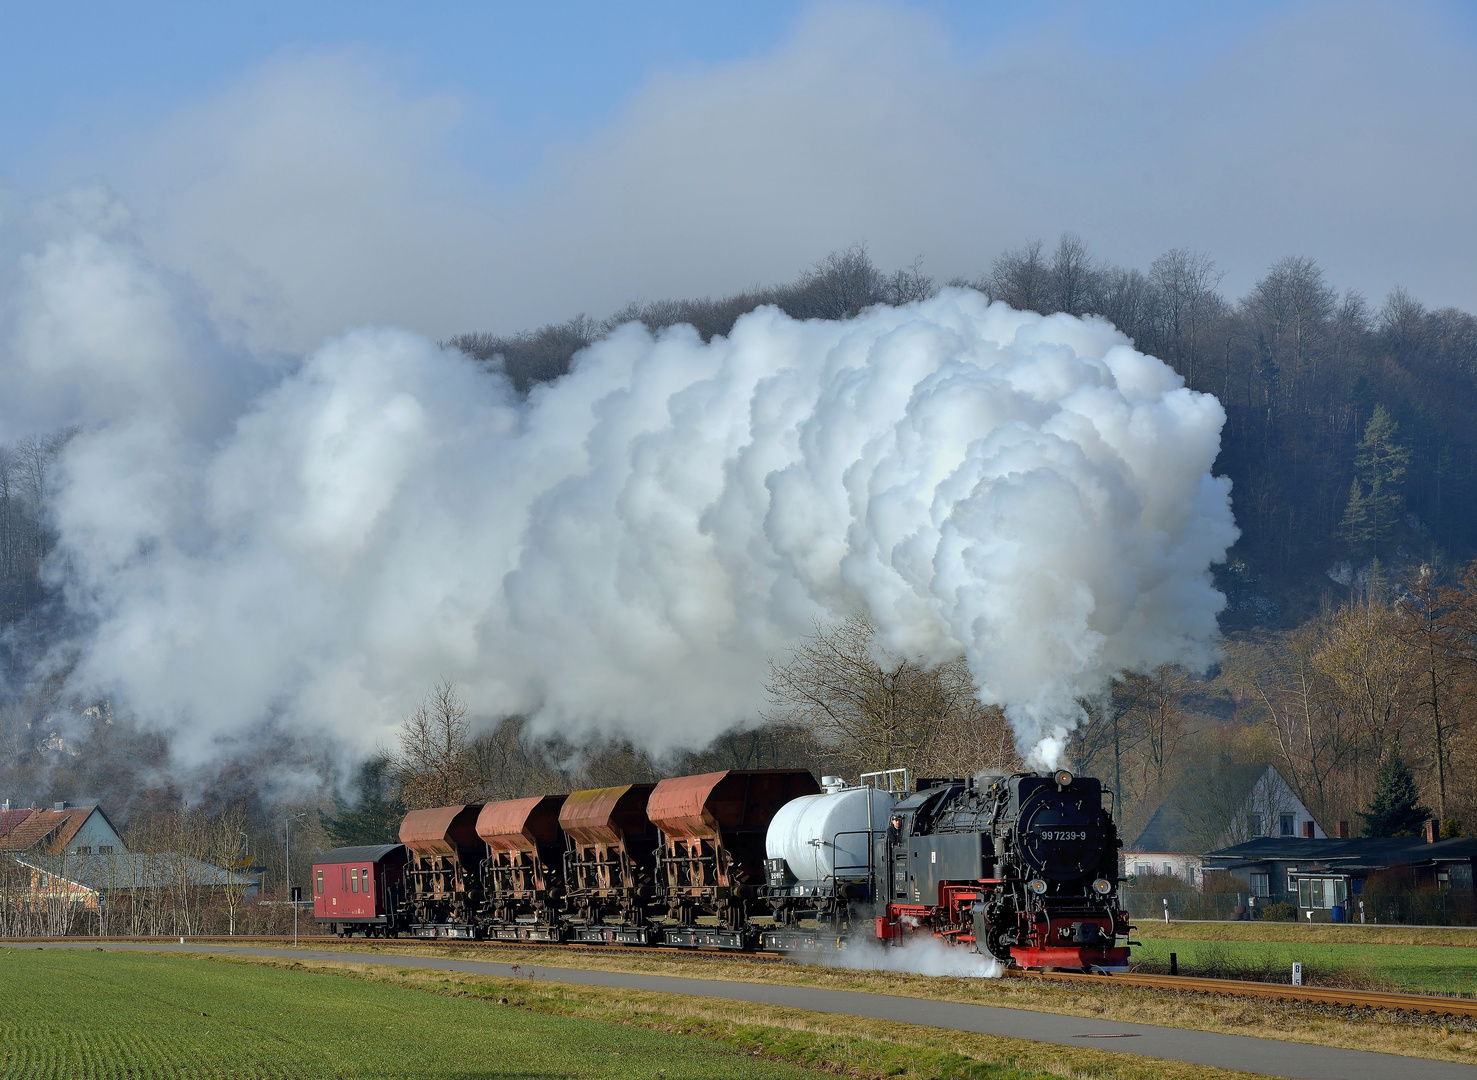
(1336, 913)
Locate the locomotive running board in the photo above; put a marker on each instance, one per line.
(793, 941)
(612, 935)
(712, 939)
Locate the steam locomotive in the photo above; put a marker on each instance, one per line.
(1021, 867)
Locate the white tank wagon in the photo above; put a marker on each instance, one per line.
(817, 845)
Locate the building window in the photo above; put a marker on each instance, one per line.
(1443, 879)
(1261, 884)
(82, 849)
(1289, 825)
(1168, 870)
(1322, 892)
(1292, 882)
(1256, 824)
(1142, 868)
(105, 849)
(320, 882)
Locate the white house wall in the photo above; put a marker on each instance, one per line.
(95, 835)
(1272, 797)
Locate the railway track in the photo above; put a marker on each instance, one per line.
(1315, 995)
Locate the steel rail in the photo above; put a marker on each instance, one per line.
(1315, 995)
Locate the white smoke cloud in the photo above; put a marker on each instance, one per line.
(625, 549)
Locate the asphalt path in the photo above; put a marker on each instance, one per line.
(1268, 1057)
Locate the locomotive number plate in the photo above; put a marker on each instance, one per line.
(1063, 834)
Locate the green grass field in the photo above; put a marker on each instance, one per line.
(94, 1014)
(1437, 969)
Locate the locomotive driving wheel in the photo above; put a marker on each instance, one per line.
(997, 946)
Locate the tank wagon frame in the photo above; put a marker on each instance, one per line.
(1021, 867)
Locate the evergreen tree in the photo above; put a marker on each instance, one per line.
(373, 817)
(1375, 498)
(1355, 526)
(1393, 810)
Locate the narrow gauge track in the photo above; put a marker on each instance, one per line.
(1315, 995)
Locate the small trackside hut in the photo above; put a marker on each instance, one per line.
(711, 857)
(522, 877)
(361, 890)
(607, 863)
(443, 886)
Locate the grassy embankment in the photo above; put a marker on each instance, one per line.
(115, 1014)
(1410, 959)
(1392, 1033)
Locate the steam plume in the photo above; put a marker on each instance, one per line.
(625, 548)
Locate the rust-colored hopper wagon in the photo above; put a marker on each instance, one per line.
(443, 887)
(523, 877)
(711, 857)
(608, 864)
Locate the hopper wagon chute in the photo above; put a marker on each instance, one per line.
(443, 890)
(523, 879)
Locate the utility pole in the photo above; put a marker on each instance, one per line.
(291, 896)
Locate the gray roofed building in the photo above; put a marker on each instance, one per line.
(1215, 805)
(1323, 874)
(126, 871)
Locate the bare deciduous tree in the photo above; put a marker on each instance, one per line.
(435, 765)
(882, 711)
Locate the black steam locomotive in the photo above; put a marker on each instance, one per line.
(1022, 868)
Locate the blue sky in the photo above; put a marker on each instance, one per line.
(605, 152)
(525, 74)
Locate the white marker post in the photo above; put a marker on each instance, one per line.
(1166, 911)
(1297, 974)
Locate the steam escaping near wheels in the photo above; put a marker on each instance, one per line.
(923, 956)
(623, 550)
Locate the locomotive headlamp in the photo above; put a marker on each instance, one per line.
(1102, 886)
(1063, 778)
(1037, 886)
